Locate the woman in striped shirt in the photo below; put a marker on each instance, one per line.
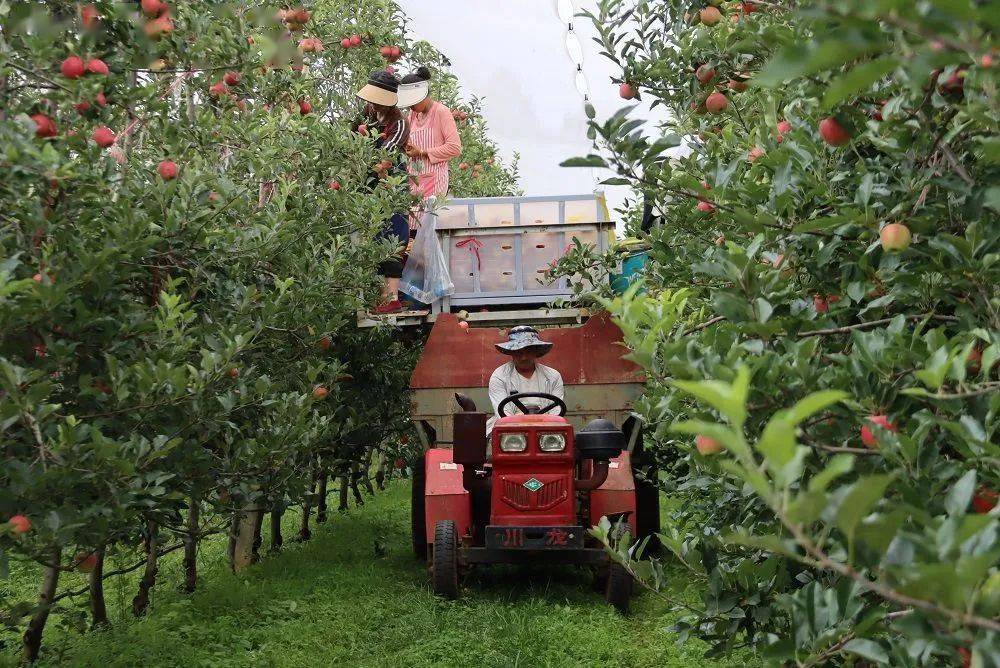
(434, 136)
(392, 132)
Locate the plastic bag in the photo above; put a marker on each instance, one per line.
(425, 276)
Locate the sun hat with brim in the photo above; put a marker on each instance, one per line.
(413, 93)
(522, 337)
(381, 89)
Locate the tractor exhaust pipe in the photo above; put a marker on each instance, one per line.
(596, 479)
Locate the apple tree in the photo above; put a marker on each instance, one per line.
(820, 326)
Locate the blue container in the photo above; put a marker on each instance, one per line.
(632, 267)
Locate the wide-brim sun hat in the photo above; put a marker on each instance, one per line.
(381, 89)
(521, 337)
(413, 93)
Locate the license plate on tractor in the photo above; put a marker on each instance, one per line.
(534, 538)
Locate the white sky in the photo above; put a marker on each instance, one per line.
(514, 55)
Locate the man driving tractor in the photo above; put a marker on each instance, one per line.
(523, 374)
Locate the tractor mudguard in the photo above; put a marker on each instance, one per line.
(617, 494)
(445, 497)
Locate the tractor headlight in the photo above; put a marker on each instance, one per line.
(513, 443)
(552, 443)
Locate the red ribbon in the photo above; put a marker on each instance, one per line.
(474, 245)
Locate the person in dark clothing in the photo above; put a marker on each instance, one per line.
(392, 132)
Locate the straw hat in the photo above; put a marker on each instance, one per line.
(521, 337)
(381, 89)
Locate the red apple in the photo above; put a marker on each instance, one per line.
(868, 436)
(101, 100)
(895, 237)
(986, 60)
(704, 74)
(363, 130)
(103, 136)
(983, 502)
(233, 373)
(153, 7)
(44, 126)
(396, 53)
(627, 91)
(72, 67)
(157, 28)
(97, 66)
(85, 561)
(167, 170)
(320, 392)
(400, 463)
(19, 524)
(738, 85)
(355, 40)
(89, 16)
(707, 446)
(833, 133)
(784, 127)
(334, 185)
(218, 89)
(974, 362)
(705, 207)
(82, 107)
(325, 343)
(386, 51)
(346, 42)
(749, 7)
(232, 78)
(716, 103)
(821, 304)
(755, 152)
(463, 165)
(710, 15)
(954, 85)
(305, 107)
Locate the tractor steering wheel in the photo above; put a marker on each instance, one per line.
(516, 400)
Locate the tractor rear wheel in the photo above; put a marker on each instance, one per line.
(417, 509)
(444, 561)
(619, 587)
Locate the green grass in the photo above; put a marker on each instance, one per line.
(330, 602)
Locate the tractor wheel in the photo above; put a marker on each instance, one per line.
(444, 561)
(417, 509)
(619, 587)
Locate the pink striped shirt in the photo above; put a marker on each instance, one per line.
(433, 131)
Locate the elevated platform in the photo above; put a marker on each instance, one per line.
(537, 317)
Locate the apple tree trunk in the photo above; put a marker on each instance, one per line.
(321, 498)
(98, 607)
(141, 601)
(32, 641)
(191, 546)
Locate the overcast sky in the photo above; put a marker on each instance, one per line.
(514, 55)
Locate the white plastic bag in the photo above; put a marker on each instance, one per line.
(425, 275)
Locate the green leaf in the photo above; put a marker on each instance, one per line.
(860, 501)
(868, 649)
(588, 161)
(824, 223)
(800, 60)
(730, 400)
(857, 79)
(814, 403)
(960, 494)
(838, 466)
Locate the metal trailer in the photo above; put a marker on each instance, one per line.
(497, 250)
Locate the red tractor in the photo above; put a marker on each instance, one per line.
(532, 500)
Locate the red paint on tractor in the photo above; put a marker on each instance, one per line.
(533, 488)
(587, 355)
(617, 494)
(445, 497)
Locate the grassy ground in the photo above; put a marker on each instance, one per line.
(330, 602)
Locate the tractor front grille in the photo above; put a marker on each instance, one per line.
(552, 492)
